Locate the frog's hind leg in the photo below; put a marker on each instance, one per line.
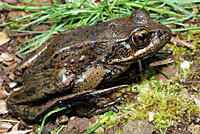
(31, 100)
(32, 113)
(43, 86)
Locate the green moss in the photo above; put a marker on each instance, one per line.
(167, 105)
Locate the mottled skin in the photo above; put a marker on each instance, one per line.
(78, 60)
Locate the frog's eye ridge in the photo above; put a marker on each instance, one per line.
(140, 37)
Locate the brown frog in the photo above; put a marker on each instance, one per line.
(75, 62)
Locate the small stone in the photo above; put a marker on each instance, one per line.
(77, 125)
(151, 116)
(197, 120)
(138, 127)
(196, 100)
(185, 65)
(12, 84)
(62, 119)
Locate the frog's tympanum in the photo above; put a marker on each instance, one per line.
(75, 62)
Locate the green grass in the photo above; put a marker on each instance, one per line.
(86, 12)
(47, 115)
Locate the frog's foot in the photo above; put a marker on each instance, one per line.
(98, 106)
(164, 52)
(160, 52)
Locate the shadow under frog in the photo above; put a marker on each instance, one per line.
(75, 62)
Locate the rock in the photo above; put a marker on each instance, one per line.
(138, 127)
(77, 125)
(194, 129)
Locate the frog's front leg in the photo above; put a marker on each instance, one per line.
(90, 79)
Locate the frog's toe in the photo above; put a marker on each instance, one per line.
(111, 103)
(105, 107)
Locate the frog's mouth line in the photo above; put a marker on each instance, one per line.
(144, 50)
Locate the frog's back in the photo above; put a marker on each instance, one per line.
(76, 48)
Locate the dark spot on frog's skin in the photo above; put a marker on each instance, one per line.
(87, 30)
(94, 34)
(75, 34)
(56, 55)
(112, 26)
(39, 109)
(45, 85)
(106, 24)
(107, 75)
(13, 107)
(66, 42)
(105, 38)
(26, 111)
(56, 44)
(31, 91)
(46, 94)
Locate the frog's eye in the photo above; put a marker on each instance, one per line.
(140, 37)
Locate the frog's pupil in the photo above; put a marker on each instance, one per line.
(141, 36)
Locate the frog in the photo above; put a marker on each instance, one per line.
(68, 70)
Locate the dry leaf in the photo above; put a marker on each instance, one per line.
(3, 107)
(8, 59)
(4, 127)
(20, 132)
(15, 127)
(3, 94)
(182, 43)
(3, 38)
(16, 14)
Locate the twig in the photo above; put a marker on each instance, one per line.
(21, 34)
(182, 43)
